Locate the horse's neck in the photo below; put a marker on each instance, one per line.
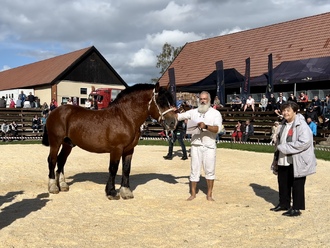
(137, 107)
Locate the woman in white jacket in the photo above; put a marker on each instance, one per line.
(294, 160)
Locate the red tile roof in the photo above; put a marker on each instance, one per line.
(298, 39)
(39, 73)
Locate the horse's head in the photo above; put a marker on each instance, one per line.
(161, 107)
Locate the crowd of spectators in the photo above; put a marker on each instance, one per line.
(317, 112)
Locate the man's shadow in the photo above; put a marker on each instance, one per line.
(20, 209)
(270, 195)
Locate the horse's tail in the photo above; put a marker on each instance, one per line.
(45, 140)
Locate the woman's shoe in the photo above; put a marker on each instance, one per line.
(292, 212)
(278, 208)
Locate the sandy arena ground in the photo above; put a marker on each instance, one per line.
(159, 215)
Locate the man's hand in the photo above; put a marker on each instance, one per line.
(201, 125)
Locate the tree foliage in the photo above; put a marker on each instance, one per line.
(166, 57)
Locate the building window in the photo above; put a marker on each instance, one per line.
(83, 91)
(64, 100)
(82, 101)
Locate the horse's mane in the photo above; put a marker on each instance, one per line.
(131, 89)
(165, 97)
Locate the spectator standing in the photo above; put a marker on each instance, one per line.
(294, 159)
(12, 103)
(263, 103)
(248, 130)
(178, 134)
(18, 102)
(312, 125)
(22, 96)
(31, 99)
(3, 102)
(203, 147)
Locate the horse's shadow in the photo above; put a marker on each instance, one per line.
(20, 209)
(270, 195)
(135, 180)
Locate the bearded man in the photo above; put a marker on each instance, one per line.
(208, 123)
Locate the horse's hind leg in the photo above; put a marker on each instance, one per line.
(125, 191)
(61, 160)
(52, 159)
(110, 189)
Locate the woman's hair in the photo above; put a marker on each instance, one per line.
(290, 104)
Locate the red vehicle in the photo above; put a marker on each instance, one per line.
(102, 97)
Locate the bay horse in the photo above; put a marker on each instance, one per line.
(114, 130)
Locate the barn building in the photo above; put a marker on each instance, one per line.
(71, 75)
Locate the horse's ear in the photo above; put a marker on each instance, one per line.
(157, 87)
(168, 87)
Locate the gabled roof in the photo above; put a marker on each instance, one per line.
(46, 71)
(293, 40)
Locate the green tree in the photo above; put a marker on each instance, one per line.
(165, 58)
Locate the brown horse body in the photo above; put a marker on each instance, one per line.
(114, 130)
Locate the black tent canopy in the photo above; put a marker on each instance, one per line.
(232, 79)
(297, 71)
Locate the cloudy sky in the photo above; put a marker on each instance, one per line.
(131, 33)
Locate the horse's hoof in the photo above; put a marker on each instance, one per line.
(52, 187)
(64, 186)
(116, 197)
(126, 193)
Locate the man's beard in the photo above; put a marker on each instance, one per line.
(203, 108)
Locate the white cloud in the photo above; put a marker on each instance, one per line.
(231, 31)
(144, 57)
(174, 37)
(173, 13)
(5, 67)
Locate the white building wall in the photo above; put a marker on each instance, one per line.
(66, 89)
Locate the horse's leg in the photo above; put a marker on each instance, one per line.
(52, 159)
(61, 160)
(125, 191)
(110, 189)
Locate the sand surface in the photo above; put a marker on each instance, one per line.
(159, 215)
